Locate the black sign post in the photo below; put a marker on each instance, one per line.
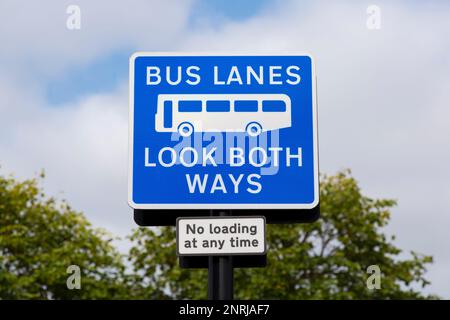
(220, 271)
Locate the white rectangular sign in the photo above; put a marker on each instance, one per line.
(221, 236)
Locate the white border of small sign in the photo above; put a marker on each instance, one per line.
(222, 254)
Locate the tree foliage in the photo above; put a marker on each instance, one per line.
(327, 259)
(40, 238)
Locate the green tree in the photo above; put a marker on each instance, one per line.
(40, 238)
(327, 259)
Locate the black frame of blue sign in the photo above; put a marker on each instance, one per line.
(149, 216)
(168, 217)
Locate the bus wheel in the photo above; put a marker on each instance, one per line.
(185, 129)
(253, 129)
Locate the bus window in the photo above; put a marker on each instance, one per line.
(190, 106)
(273, 106)
(246, 106)
(218, 106)
(168, 114)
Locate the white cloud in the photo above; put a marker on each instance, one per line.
(383, 101)
(35, 40)
(83, 149)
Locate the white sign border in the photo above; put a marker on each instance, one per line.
(250, 206)
(222, 254)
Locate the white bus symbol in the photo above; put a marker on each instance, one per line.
(251, 113)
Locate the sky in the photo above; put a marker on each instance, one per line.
(383, 97)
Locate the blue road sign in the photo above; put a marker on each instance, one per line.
(223, 132)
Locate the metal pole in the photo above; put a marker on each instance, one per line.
(220, 272)
(213, 276)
